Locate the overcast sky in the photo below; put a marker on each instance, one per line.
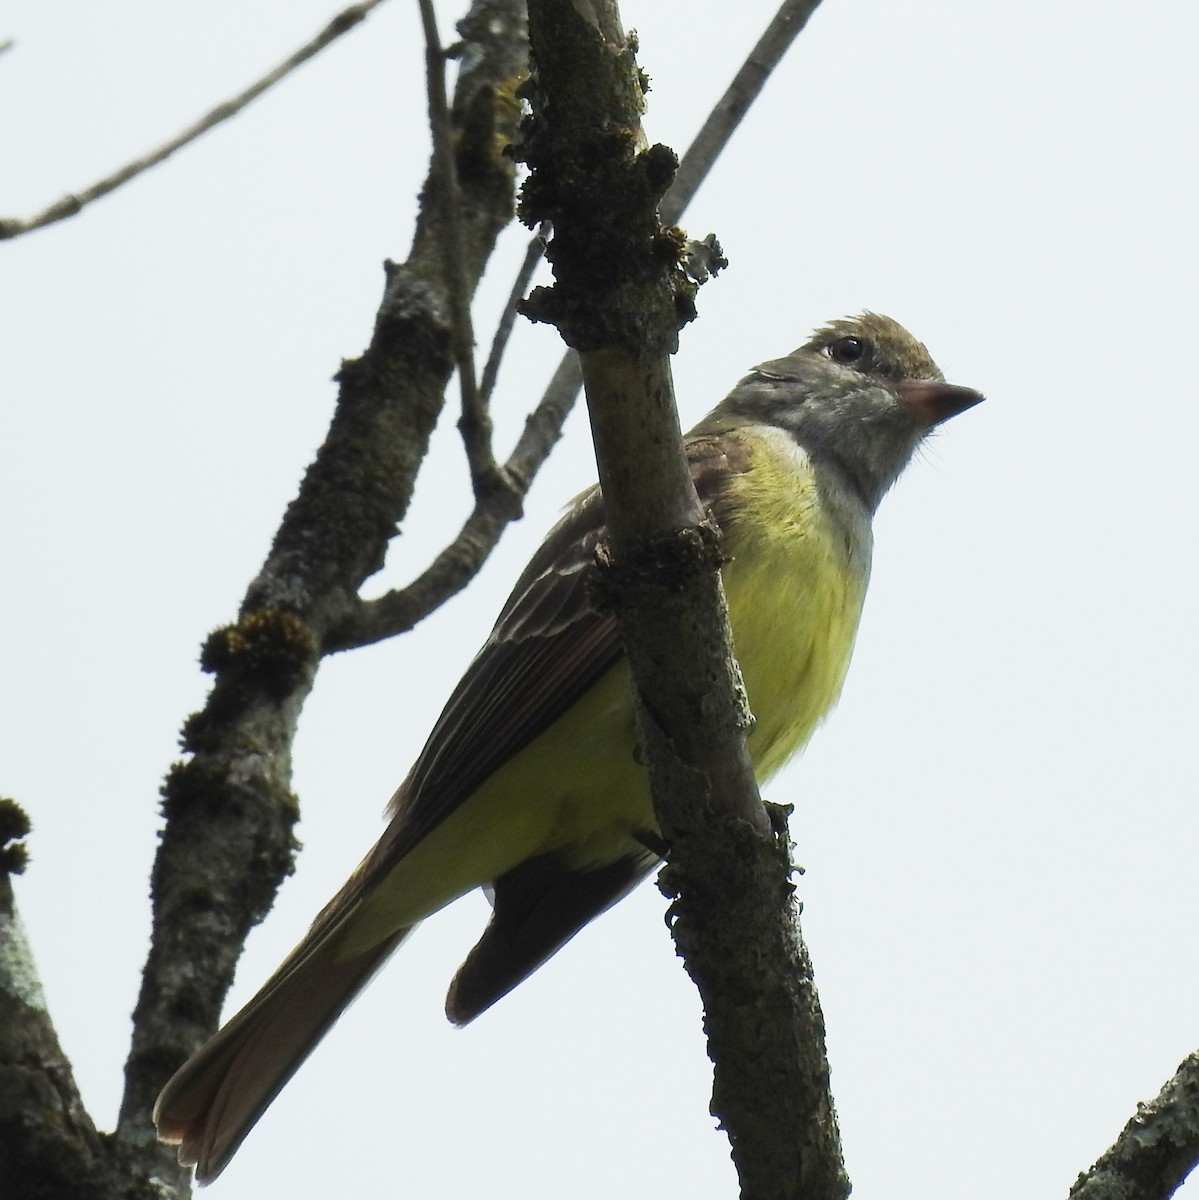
(998, 823)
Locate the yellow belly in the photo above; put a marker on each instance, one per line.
(794, 594)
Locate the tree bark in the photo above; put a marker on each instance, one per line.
(620, 296)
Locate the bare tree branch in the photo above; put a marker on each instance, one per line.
(520, 285)
(475, 422)
(618, 295)
(1157, 1149)
(68, 206)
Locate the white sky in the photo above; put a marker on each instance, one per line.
(998, 823)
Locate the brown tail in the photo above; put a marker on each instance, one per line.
(215, 1098)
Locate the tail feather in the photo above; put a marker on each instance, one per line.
(216, 1097)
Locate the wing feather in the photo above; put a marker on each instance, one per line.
(550, 643)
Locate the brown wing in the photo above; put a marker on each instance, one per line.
(549, 645)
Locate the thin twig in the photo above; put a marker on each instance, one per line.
(68, 206)
(475, 423)
(508, 319)
(724, 118)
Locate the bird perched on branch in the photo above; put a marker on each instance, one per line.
(530, 784)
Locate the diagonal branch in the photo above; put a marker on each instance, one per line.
(1157, 1149)
(503, 331)
(722, 122)
(68, 206)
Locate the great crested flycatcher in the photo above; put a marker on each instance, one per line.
(529, 784)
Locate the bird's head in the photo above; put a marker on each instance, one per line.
(861, 393)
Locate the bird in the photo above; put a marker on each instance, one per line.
(530, 785)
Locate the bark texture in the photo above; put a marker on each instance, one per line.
(620, 296)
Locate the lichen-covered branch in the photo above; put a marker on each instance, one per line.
(619, 298)
(1156, 1150)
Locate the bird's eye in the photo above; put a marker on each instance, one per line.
(847, 350)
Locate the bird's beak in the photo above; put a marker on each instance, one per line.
(934, 402)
